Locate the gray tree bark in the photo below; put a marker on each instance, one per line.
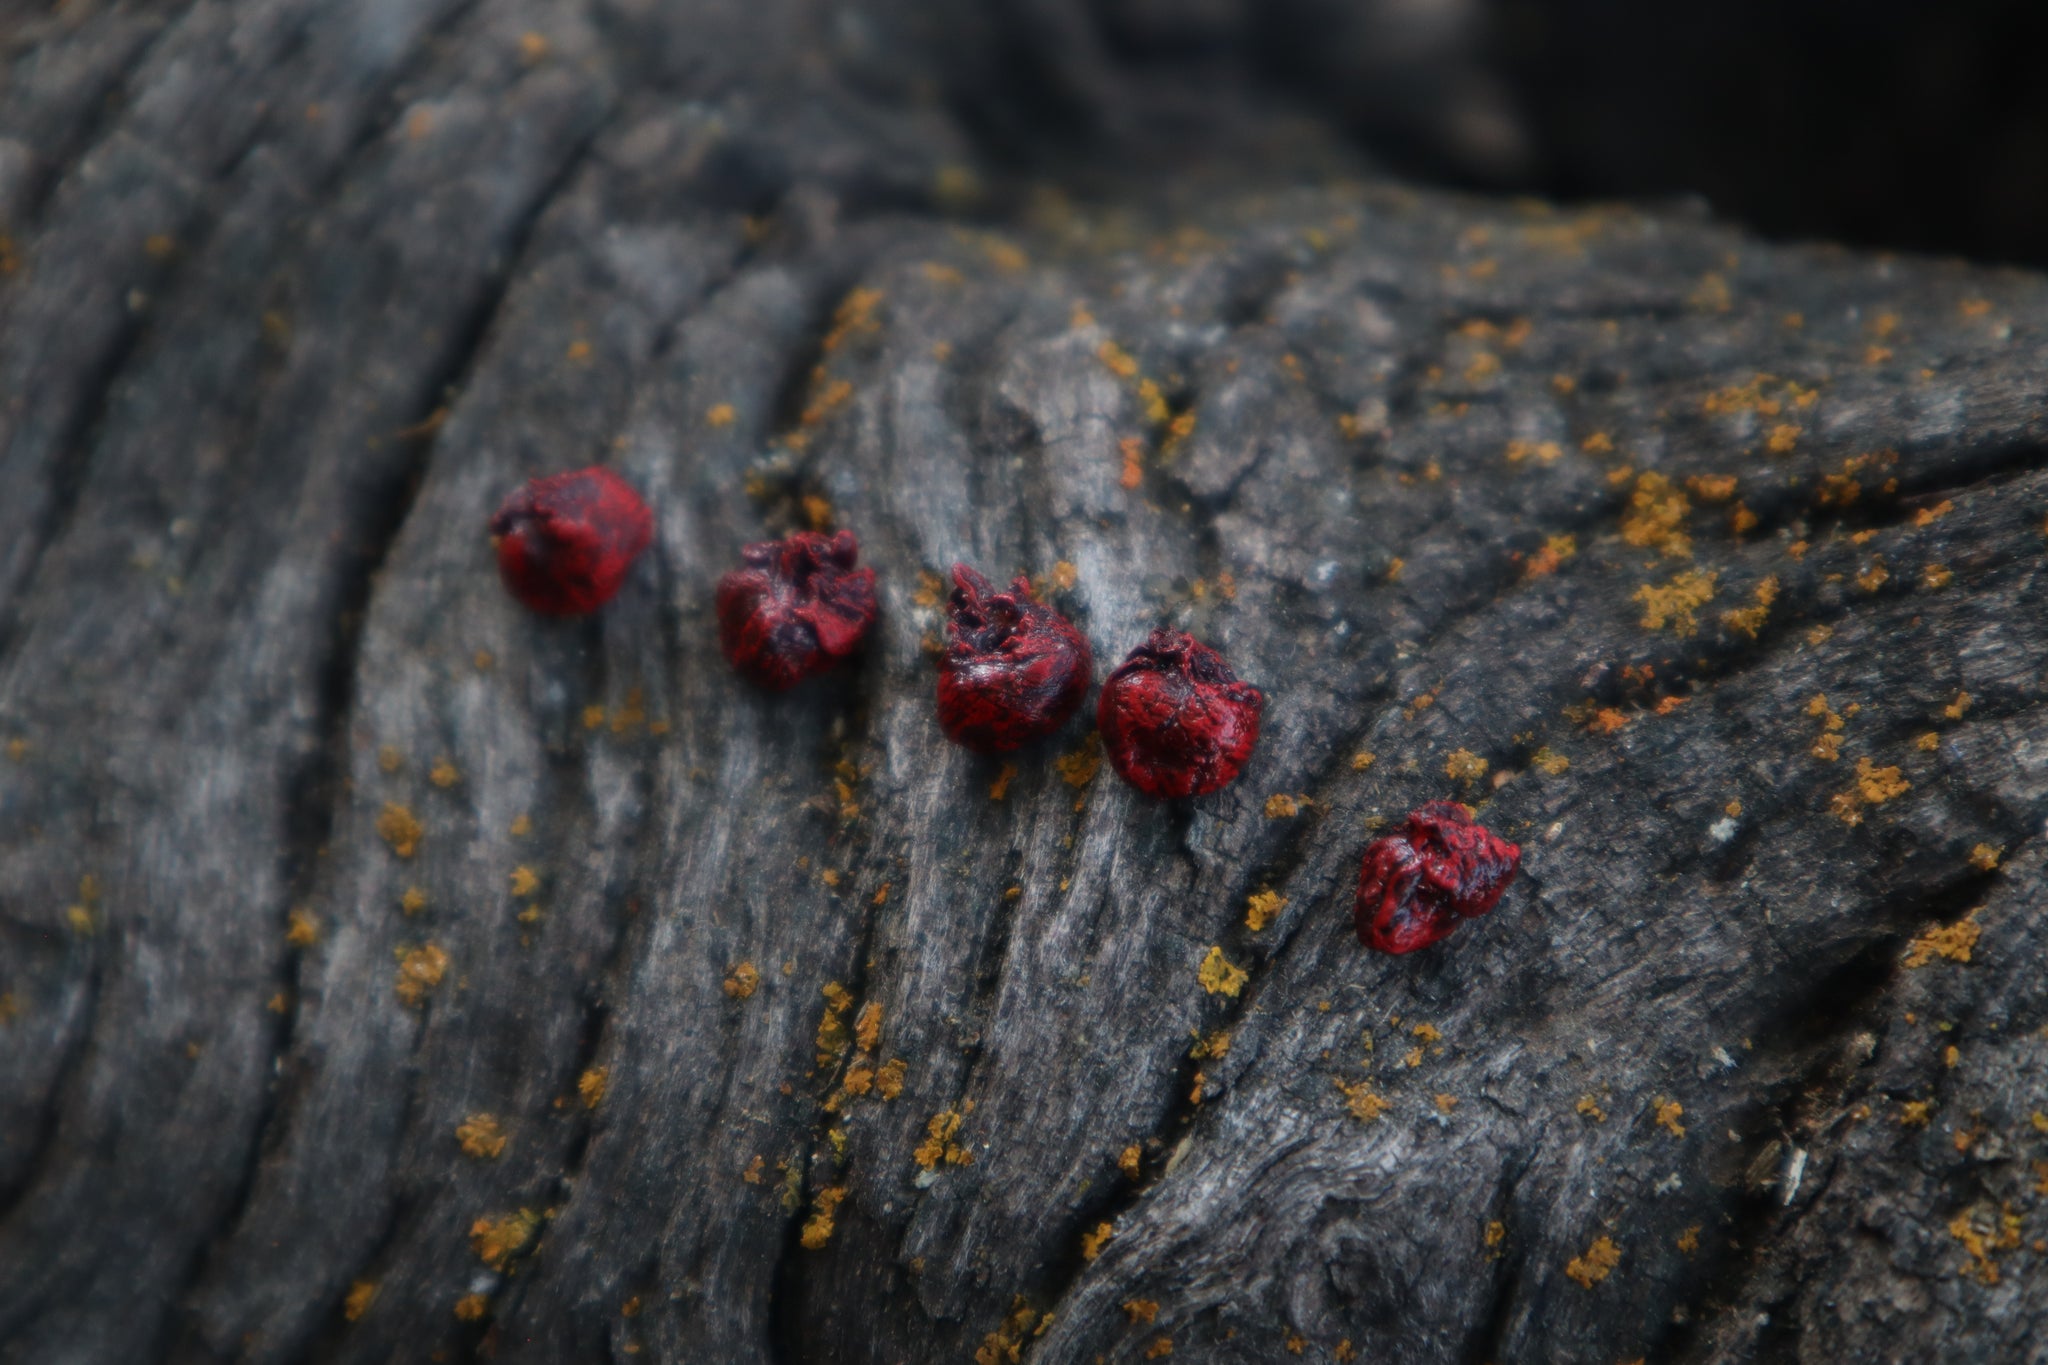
(387, 974)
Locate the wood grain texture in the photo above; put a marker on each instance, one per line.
(1708, 570)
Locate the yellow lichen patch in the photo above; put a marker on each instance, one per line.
(1953, 942)
(719, 415)
(1132, 451)
(1078, 768)
(1927, 516)
(1065, 576)
(524, 881)
(1982, 1232)
(1130, 1161)
(471, 1308)
(481, 1136)
(889, 1078)
(357, 1301)
(1935, 577)
(593, 1084)
(742, 981)
(1464, 766)
(867, 1026)
(1741, 520)
(1984, 857)
(938, 1144)
(818, 1228)
(1712, 487)
(1542, 452)
(855, 315)
(1914, 1113)
(1955, 709)
(1546, 561)
(1281, 806)
(1362, 1102)
(1588, 1107)
(1596, 1265)
(1784, 438)
(419, 971)
(1546, 761)
(833, 1037)
(1211, 1048)
(1749, 620)
(301, 929)
(1877, 785)
(1445, 1103)
(1599, 443)
(444, 774)
(1738, 398)
(521, 826)
(1363, 759)
(1496, 1234)
(1142, 1312)
(1117, 360)
(413, 901)
(1656, 516)
(1676, 603)
(1218, 976)
(756, 1172)
(1874, 577)
(1689, 1240)
(1093, 1241)
(400, 828)
(497, 1240)
(1000, 788)
(1667, 1113)
(1261, 907)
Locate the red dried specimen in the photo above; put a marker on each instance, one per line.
(1015, 669)
(1175, 719)
(1418, 883)
(565, 542)
(795, 607)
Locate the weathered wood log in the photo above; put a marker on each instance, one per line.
(387, 974)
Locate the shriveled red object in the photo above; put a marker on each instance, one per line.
(1175, 720)
(1441, 867)
(794, 607)
(566, 542)
(1014, 671)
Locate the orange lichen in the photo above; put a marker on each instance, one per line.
(1914, 1113)
(357, 1302)
(1094, 1240)
(419, 971)
(1656, 516)
(1361, 1101)
(1261, 908)
(1984, 857)
(1543, 452)
(413, 901)
(742, 980)
(524, 881)
(938, 1145)
(471, 1308)
(400, 828)
(889, 1078)
(1689, 1240)
(1219, 976)
(481, 1136)
(593, 1084)
(1078, 768)
(301, 929)
(1281, 806)
(1589, 1107)
(1784, 439)
(1606, 720)
(1935, 577)
(1667, 1113)
(1546, 760)
(1596, 1265)
(1952, 942)
(1982, 1232)
(1117, 360)
(1130, 1161)
(867, 1026)
(1142, 1312)
(833, 1037)
(1749, 620)
(1159, 1349)
(1000, 788)
(1955, 709)
(497, 1240)
(1362, 760)
(1464, 766)
(1712, 487)
(1676, 603)
(819, 1227)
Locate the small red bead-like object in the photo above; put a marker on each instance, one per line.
(1014, 671)
(794, 607)
(1441, 867)
(566, 542)
(1175, 720)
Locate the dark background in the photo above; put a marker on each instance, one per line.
(1910, 125)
